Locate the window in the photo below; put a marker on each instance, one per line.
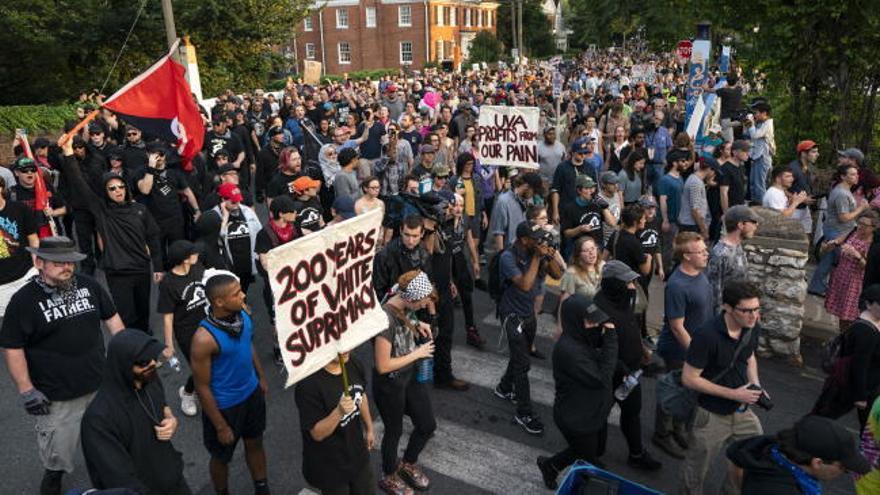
(310, 51)
(371, 17)
(307, 24)
(341, 19)
(485, 23)
(438, 50)
(438, 16)
(454, 15)
(477, 18)
(446, 17)
(344, 53)
(404, 18)
(448, 50)
(406, 52)
(467, 17)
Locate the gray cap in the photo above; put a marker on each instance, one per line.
(584, 181)
(648, 201)
(741, 213)
(619, 270)
(853, 154)
(609, 177)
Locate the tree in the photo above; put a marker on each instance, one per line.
(537, 30)
(485, 47)
(64, 47)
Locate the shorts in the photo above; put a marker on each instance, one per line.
(9, 289)
(58, 432)
(247, 420)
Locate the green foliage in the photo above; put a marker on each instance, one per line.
(537, 30)
(35, 118)
(485, 47)
(64, 47)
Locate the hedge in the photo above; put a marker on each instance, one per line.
(35, 118)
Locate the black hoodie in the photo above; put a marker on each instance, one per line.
(118, 439)
(129, 232)
(617, 301)
(583, 364)
(760, 474)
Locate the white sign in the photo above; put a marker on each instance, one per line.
(557, 84)
(508, 136)
(325, 303)
(643, 73)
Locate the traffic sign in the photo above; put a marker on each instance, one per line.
(684, 49)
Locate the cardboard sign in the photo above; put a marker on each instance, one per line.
(322, 285)
(508, 136)
(312, 72)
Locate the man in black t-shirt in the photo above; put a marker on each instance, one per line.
(55, 350)
(17, 231)
(725, 395)
(281, 182)
(731, 98)
(220, 137)
(649, 235)
(733, 179)
(23, 191)
(625, 245)
(309, 212)
(584, 215)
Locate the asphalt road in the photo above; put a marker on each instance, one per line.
(477, 448)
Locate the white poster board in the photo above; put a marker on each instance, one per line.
(508, 136)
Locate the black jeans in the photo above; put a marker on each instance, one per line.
(362, 484)
(520, 335)
(171, 229)
(131, 294)
(464, 282)
(630, 420)
(443, 339)
(84, 223)
(395, 397)
(584, 446)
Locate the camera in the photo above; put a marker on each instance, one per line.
(764, 402)
(548, 239)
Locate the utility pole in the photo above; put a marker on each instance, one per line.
(513, 24)
(170, 30)
(522, 48)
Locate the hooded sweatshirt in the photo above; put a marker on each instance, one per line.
(616, 300)
(761, 475)
(118, 439)
(128, 231)
(583, 364)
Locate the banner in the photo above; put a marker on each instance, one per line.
(322, 285)
(312, 72)
(698, 70)
(508, 136)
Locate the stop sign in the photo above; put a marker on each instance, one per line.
(684, 49)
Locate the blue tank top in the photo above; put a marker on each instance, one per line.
(233, 376)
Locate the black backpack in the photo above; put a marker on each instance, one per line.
(496, 286)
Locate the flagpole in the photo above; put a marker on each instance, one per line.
(26, 146)
(84, 122)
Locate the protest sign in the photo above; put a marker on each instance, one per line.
(643, 73)
(312, 72)
(322, 286)
(508, 136)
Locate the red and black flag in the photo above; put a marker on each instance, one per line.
(159, 103)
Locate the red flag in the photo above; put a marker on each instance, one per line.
(41, 195)
(159, 102)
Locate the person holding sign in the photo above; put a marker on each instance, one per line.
(395, 385)
(337, 428)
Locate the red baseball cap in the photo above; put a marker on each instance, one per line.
(805, 145)
(230, 192)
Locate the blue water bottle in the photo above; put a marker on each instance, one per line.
(424, 366)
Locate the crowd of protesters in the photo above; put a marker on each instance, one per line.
(621, 196)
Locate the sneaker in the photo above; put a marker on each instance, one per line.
(667, 444)
(413, 476)
(650, 343)
(644, 461)
(474, 339)
(392, 484)
(535, 353)
(548, 472)
(189, 403)
(505, 395)
(530, 423)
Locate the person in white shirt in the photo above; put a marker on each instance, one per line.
(777, 196)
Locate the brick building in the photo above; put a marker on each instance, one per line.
(350, 35)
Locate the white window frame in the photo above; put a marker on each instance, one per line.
(467, 17)
(453, 14)
(310, 47)
(402, 51)
(342, 15)
(404, 20)
(339, 52)
(479, 21)
(307, 24)
(438, 15)
(370, 15)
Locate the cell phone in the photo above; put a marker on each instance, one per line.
(22, 131)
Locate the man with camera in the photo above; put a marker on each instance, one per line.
(721, 366)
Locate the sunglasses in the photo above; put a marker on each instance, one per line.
(115, 188)
(28, 170)
(143, 363)
(132, 133)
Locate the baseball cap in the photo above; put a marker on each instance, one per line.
(580, 145)
(741, 213)
(619, 270)
(595, 314)
(648, 202)
(853, 154)
(740, 145)
(427, 148)
(549, 128)
(528, 229)
(344, 207)
(440, 171)
(584, 182)
(826, 439)
(95, 127)
(609, 177)
(229, 191)
(805, 145)
(305, 182)
(23, 162)
(179, 251)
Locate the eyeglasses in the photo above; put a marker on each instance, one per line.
(115, 188)
(373, 188)
(749, 311)
(869, 225)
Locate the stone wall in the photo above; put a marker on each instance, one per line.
(777, 259)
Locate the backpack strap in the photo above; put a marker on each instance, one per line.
(743, 343)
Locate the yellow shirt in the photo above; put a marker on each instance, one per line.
(470, 206)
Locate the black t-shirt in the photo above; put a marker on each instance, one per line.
(574, 214)
(27, 197)
(335, 460)
(730, 100)
(280, 183)
(627, 247)
(266, 242)
(413, 138)
(184, 296)
(732, 177)
(230, 142)
(62, 339)
(650, 235)
(371, 149)
(712, 350)
(308, 215)
(238, 235)
(16, 224)
(164, 198)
